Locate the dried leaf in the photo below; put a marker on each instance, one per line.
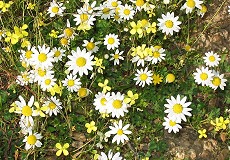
(223, 136)
(78, 136)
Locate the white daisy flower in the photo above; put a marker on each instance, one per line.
(25, 78)
(65, 42)
(25, 129)
(126, 12)
(106, 12)
(26, 55)
(91, 46)
(72, 83)
(68, 32)
(32, 140)
(47, 82)
(177, 108)
(90, 8)
(110, 156)
(202, 11)
(157, 55)
(203, 76)
(56, 9)
(140, 4)
(116, 105)
(191, 4)
(111, 41)
(139, 60)
(171, 125)
(26, 110)
(218, 81)
(101, 101)
(42, 57)
(120, 132)
(116, 57)
(53, 106)
(58, 53)
(80, 61)
(169, 24)
(113, 3)
(84, 18)
(211, 59)
(143, 77)
(40, 74)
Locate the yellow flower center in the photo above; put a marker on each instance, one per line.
(27, 111)
(191, 3)
(55, 9)
(143, 77)
(169, 24)
(81, 61)
(111, 40)
(216, 81)
(119, 132)
(84, 17)
(126, 11)
(31, 139)
(57, 53)
(29, 54)
(140, 3)
(41, 72)
(70, 83)
(116, 56)
(172, 123)
(47, 81)
(116, 17)
(203, 76)
(114, 4)
(156, 54)
(68, 32)
(103, 101)
(82, 92)
(52, 105)
(64, 41)
(117, 104)
(42, 57)
(203, 9)
(177, 108)
(212, 58)
(170, 78)
(90, 46)
(106, 11)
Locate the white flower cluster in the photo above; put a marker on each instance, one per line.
(207, 77)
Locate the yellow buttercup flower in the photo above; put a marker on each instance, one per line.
(62, 149)
(12, 38)
(31, 6)
(39, 110)
(104, 86)
(90, 126)
(220, 123)
(202, 133)
(55, 89)
(53, 34)
(131, 98)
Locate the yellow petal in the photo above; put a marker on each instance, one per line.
(11, 110)
(65, 152)
(66, 145)
(58, 146)
(58, 153)
(87, 125)
(92, 123)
